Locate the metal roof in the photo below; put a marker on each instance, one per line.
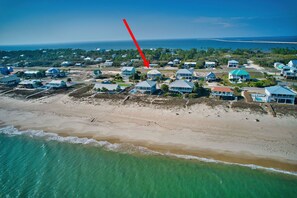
(233, 61)
(109, 87)
(154, 71)
(184, 71)
(147, 83)
(239, 72)
(182, 83)
(127, 68)
(280, 90)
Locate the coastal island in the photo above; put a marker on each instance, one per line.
(217, 109)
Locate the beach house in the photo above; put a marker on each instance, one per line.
(188, 65)
(210, 77)
(222, 92)
(210, 64)
(9, 80)
(154, 74)
(292, 73)
(292, 63)
(30, 84)
(32, 74)
(170, 63)
(107, 63)
(126, 72)
(280, 94)
(233, 63)
(176, 61)
(6, 70)
(54, 72)
(239, 75)
(181, 86)
(56, 84)
(66, 63)
(110, 88)
(184, 74)
(285, 69)
(147, 86)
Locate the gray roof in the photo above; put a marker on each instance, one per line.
(109, 87)
(280, 90)
(147, 83)
(154, 71)
(232, 61)
(182, 83)
(210, 74)
(184, 71)
(127, 68)
(293, 62)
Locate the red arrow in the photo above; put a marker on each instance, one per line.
(145, 62)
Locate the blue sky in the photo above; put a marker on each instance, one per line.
(52, 21)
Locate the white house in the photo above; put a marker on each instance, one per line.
(170, 63)
(210, 64)
(30, 84)
(293, 63)
(184, 74)
(292, 73)
(285, 69)
(280, 94)
(154, 74)
(147, 86)
(78, 64)
(181, 86)
(56, 84)
(233, 63)
(66, 63)
(189, 64)
(238, 75)
(107, 63)
(222, 92)
(88, 59)
(32, 74)
(176, 61)
(9, 80)
(210, 77)
(127, 71)
(102, 87)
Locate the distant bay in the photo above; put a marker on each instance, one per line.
(261, 43)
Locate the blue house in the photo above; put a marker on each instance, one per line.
(6, 70)
(280, 94)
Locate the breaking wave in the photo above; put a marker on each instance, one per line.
(123, 147)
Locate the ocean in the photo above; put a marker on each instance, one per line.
(38, 164)
(262, 43)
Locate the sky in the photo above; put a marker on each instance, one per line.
(62, 21)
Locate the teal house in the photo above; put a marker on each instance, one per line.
(239, 75)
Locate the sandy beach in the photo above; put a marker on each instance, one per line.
(212, 132)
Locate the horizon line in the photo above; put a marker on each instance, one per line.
(119, 40)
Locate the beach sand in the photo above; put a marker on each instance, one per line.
(219, 133)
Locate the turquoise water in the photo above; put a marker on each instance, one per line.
(167, 43)
(49, 166)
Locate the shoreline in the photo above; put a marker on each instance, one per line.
(147, 127)
(206, 156)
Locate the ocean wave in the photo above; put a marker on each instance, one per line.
(124, 147)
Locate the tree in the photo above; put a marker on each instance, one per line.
(164, 88)
(143, 77)
(104, 89)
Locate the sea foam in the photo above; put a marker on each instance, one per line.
(123, 147)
